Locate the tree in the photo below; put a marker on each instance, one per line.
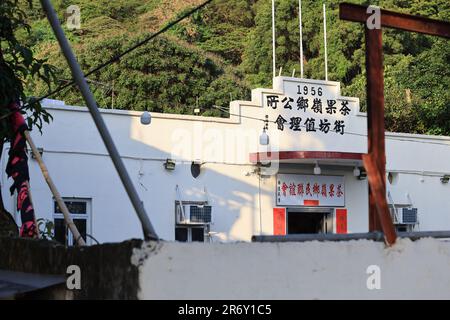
(230, 41)
(17, 67)
(416, 100)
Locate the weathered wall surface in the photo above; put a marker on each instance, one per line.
(106, 270)
(311, 270)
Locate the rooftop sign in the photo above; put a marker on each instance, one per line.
(310, 115)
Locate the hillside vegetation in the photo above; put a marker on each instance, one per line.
(223, 51)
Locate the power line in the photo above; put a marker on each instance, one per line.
(115, 58)
(263, 120)
(238, 115)
(346, 132)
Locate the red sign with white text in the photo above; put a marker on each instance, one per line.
(279, 221)
(341, 221)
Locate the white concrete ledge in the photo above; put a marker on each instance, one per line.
(310, 270)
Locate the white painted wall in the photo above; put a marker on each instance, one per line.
(419, 163)
(309, 270)
(81, 168)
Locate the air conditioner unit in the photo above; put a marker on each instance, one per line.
(408, 216)
(194, 214)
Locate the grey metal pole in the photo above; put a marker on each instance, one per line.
(319, 237)
(149, 232)
(375, 236)
(274, 53)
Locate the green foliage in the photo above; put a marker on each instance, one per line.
(227, 48)
(18, 66)
(46, 229)
(411, 60)
(163, 76)
(221, 28)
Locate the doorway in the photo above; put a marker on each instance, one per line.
(304, 221)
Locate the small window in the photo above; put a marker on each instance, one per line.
(81, 216)
(198, 234)
(190, 233)
(74, 207)
(192, 221)
(404, 227)
(181, 234)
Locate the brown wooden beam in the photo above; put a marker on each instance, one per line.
(375, 113)
(390, 19)
(379, 194)
(375, 161)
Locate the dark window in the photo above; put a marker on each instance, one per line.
(190, 234)
(79, 213)
(60, 231)
(81, 226)
(181, 234)
(198, 234)
(402, 228)
(305, 222)
(74, 207)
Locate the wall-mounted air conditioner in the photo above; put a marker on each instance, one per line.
(407, 216)
(193, 214)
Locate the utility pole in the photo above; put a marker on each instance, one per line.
(77, 73)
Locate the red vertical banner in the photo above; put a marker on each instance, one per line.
(341, 221)
(279, 221)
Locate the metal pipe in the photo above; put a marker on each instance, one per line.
(325, 41)
(273, 41)
(424, 234)
(149, 232)
(375, 236)
(301, 35)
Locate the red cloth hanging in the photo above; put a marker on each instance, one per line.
(17, 168)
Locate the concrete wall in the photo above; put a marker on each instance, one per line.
(106, 271)
(310, 270)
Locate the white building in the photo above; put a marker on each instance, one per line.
(310, 181)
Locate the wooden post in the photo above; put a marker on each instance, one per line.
(79, 240)
(375, 114)
(379, 194)
(375, 162)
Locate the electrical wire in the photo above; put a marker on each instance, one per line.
(115, 58)
(346, 132)
(263, 120)
(238, 115)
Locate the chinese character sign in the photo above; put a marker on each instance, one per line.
(306, 115)
(305, 190)
(310, 108)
